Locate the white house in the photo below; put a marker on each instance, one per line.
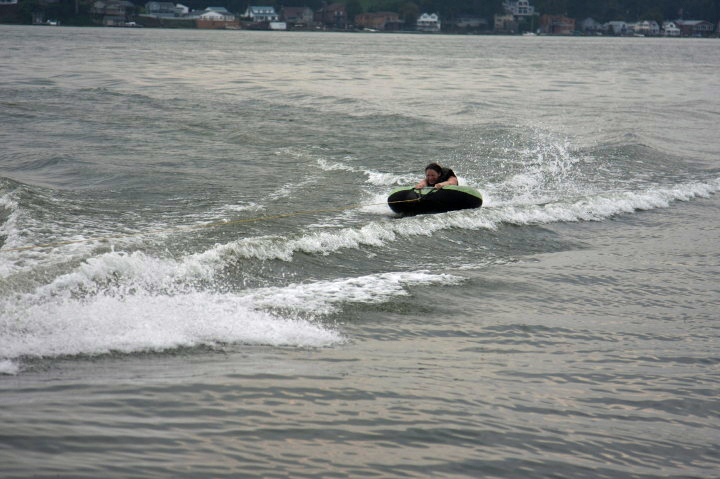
(261, 14)
(428, 23)
(217, 15)
(648, 28)
(519, 8)
(670, 29)
(182, 10)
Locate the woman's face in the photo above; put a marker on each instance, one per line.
(431, 176)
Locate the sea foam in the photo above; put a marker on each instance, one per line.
(382, 232)
(130, 302)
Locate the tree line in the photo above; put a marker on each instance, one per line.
(600, 10)
(448, 10)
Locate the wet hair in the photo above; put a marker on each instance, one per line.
(434, 166)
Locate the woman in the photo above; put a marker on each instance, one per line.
(437, 176)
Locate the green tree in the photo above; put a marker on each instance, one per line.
(353, 7)
(409, 12)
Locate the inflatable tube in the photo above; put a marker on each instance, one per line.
(409, 201)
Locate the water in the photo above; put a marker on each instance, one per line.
(566, 329)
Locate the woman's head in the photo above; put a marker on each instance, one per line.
(433, 172)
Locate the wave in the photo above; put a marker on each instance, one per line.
(374, 177)
(10, 236)
(142, 321)
(494, 214)
(133, 302)
(520, 210)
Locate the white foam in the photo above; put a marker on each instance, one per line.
(603, 206)
(109, 322)
(324, 296)
(9, 228)
(327, 166)
(391, 179)
(380, 233)
(376, 178)
(8, 367)
(130, 302)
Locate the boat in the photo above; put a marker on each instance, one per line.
(409, 201)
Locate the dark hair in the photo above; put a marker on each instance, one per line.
(434, 166)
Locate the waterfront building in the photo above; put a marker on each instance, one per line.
(428, 23)
(616, 28)
(694, 28)
(505, 23)
(112, 13)
(333, 15)
(384, 21)
(557, 25)
(649, 28)
(519, 8)
(161, 9)
(670, 29)
(469, 22)
(298, 17)
(9, 10)
(261, 14)
(590, 25)
(217, 14)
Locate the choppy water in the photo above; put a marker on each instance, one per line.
(566, 329)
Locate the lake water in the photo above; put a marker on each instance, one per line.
(236, 299)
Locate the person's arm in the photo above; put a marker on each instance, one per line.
(421, 184)
(450, 181)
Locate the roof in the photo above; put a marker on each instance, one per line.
(690, 22)
(261, 9)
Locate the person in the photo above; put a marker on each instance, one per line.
(437, 176)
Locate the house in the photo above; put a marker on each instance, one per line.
(616, 28)
(333, 15)
(298, 16)
(216, 18)
(9, 10)
(468, 22)
(161, 9)
(217, 14)
(557, 25)
(112, 13)
(519, 8)
(649, 28)
(694, 28)
(428, 23)
(590, 25)
(385, 21)
(505, 23)
(670, 29)
(261, 14)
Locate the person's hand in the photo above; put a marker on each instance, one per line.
(438, 186)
